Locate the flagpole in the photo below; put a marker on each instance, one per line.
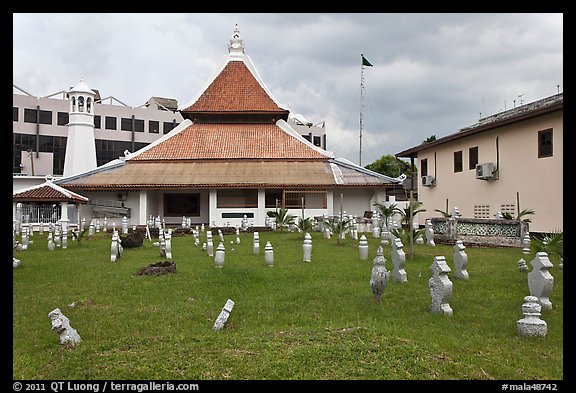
(361, 103)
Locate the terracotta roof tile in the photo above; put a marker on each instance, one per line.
(234, 90)
(230, 141)
(47, 193)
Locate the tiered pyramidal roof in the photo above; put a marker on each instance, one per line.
(235, 134)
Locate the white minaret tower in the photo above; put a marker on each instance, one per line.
(80, 146)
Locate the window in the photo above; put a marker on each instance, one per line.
(472, 157)
(178, 205)
(14, 113)
(62, 118)
(169, 126)
(545, 147)
(237, 198)
(97, 121)
(307, 137)
(80, 104)
(110, 123)
(138, 125)
(311, 199)
(318, 141)
(88, 104)
(424, 167)
(126, 124)
(273, 198)
(30, 116)
(153, 126)
(458, 161)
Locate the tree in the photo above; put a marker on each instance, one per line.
(305, 225)
(407, 217)
(283, 218)
(520, 217)
(340, 227)
(431, 138)
(390, 166)
(386, 212)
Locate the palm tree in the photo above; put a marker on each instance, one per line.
(525, 212)
(305, 225)
(283, 218)
(386, 212)
(552, 243)
(340, 227)
(407, 217)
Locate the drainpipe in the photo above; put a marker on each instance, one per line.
(133, 131)
(37, 131)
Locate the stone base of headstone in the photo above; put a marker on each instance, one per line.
(531, 325)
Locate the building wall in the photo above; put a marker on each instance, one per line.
(538, 182)
(109, 143)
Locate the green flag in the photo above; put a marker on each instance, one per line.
(365, 62)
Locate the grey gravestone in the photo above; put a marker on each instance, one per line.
(398, 260)
(440, 286)
(224, 315)
(61, 325)
(124, 225)
(540, 281)
(531, 325)
(307, 248)
(380, 276)
(460, 260)
(526, 243)
(50, 242)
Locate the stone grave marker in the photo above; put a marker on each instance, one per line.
(440, 286)
(531, 325)
(224, 315)
(256, 244)
(269, 254)
(460, 260)
(114, 247)
(540, 281)
(429, 233)
(307, 247)
(363, 248)
(522, 266)
(380, 276)
(220, 255)
(168, 244)
(209, 244)
(61, 325)
(399, 261)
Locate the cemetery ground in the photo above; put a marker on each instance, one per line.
(295, 320)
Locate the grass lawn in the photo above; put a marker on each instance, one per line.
(295, 320)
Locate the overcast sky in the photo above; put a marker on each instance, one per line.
(432, 74)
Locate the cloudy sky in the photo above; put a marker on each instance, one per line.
(432, 74)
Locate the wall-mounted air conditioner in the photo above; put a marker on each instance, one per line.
(486, 171)
(428, 181)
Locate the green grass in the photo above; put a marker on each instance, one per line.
(295, 320)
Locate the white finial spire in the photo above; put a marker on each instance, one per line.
(236, 45)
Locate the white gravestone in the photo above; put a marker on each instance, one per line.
(540, 281)
(429, 233)
(224, 315)
(256, 244)
(460, 260)
(64, 240)
(440, 286)
(363, 248)
(237, 235)
(326, 232)
(522, 267)
(398, 260)
(162, 242)
(15, 262)
(220, 255)
(531, 325)
(114, 247)
(61, 325)
(97, 226)
(168, 244)
(91, 229)
(221, 235)
(526, 244)
(269, 254)
(50, 242)
(209, 244)
(380, 276)
(307, 247)
(124, 225)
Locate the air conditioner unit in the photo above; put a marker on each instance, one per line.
(485, 171)
(428, 181)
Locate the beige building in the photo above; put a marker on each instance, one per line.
(507, 162)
